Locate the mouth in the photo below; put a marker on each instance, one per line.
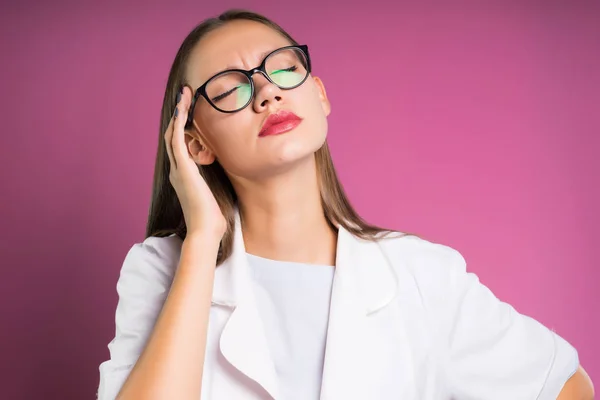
(281, 122)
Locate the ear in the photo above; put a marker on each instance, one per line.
(322, 95)
(200, 153)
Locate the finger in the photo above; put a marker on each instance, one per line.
(178, 145)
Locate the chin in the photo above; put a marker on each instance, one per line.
(298, 148)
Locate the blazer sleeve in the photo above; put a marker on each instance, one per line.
(493, 352)
(142, 288)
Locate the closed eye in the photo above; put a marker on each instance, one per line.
(223, 95)
(290, 69)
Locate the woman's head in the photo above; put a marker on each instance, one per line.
(228, 145)
(232, 138)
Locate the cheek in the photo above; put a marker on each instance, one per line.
(225, 133)
(315, 112)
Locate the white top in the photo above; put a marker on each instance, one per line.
(406, 321)
(293, 302)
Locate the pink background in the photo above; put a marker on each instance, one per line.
(474, 125)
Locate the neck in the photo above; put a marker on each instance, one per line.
(283, 219)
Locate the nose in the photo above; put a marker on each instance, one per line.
(266, 93)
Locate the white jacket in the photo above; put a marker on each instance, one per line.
(406, 322)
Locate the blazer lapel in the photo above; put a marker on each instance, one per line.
(243, 342)
(362, 344)
(358, 361)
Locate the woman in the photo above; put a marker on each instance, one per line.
(257, 279)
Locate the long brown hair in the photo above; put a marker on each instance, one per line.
(166, 217)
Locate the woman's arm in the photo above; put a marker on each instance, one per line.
(170, 367)
(578, 387)
(493, 351)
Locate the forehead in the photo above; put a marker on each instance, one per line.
(237, 44)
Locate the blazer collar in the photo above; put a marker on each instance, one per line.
(359, 260)
(364, 283)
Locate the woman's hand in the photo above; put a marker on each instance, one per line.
(200, 208)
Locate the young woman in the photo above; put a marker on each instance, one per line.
(257, 279)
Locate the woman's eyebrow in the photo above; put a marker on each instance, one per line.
(261, 57)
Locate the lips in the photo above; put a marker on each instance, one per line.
(281, 122)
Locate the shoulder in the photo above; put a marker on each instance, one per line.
(422, 256)
(163, 248)
(431, 272)
(153, 261)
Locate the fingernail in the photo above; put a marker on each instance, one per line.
(178, 98)
(176, 111)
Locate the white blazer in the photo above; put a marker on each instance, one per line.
(406, 322)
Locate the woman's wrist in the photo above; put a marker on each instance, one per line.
(206, 243)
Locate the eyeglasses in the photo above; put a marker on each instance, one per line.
(232, 90)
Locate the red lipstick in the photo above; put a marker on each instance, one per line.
(280, 122)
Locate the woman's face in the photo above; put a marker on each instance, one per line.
(233, 138)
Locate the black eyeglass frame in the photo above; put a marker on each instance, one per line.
(201, 91)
